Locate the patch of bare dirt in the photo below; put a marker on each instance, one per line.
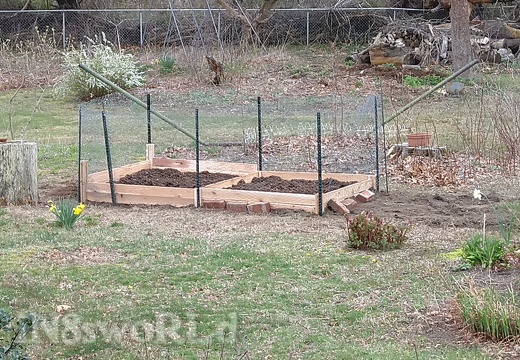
(439, 327)
(300, 74)
(55, 190)
(434, 207)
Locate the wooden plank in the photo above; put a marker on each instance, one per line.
(288, 176)
(228, 168)
(83, 180)
(167, 162)
(295, 207)
(257, 196)
(144, 190)
(131, 199)
(139, 194)
(230, 182)
(119, 172)
(314, 176)
(205, 165)
(150, 152)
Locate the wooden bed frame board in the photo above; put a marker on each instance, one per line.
(118, 173)
(96, 187)
(205, 165)
(219, 191)
(140, 194)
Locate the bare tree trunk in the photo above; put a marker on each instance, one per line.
(460, 34)
(250, 23)
(68, 4)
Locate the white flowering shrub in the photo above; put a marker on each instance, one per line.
(116, 66)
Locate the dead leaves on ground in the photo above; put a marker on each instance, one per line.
(451, 170)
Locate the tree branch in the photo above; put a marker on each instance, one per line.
(27, 5)
(263, 14)
(231, 11)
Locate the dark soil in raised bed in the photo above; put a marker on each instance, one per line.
(294, 186)
(176, 178)
(172, 178)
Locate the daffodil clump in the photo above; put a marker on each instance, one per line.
(66, 212)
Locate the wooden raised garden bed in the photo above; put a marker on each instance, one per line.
(95, 187)
(277, 200)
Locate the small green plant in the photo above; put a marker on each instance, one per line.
(488, 312)
(428, 80)
(40, 220)
(388, 66)
(349, 62)
(12, 332)
(116, 66)
(167, 65)
(116, 224)
(91, 221)
(297, 72)
(368, 232)
(66, 212)
(484, 251)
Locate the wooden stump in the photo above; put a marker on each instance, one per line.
(18, 173)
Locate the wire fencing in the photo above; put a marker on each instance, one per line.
(287, 126)
(201, 27)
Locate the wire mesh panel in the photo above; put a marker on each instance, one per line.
(229, 131)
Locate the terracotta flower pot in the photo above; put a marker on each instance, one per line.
(420, 139)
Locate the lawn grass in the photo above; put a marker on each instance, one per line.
(53, 123)
(162, 283)
(282, 291)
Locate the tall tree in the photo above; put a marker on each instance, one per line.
(460, 33)
(251, 23)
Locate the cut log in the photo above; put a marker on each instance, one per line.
(513, 44)
(385, 54)
(446, 4)
(18, 173)
(498, 29)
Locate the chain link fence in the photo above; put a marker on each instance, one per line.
(201, 27)
(211, 27)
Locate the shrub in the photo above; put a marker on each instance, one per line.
(485, 252)
(12, 332)
(490, 313)
(116, 66)
(368, 232)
